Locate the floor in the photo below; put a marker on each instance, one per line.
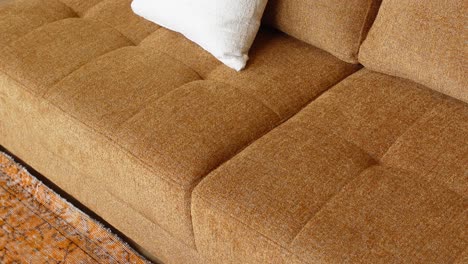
(78, 205)
(39, 226)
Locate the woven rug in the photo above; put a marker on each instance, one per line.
(38, 226)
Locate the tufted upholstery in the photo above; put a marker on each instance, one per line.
(357, 176)
(97, 81)
(196, 162)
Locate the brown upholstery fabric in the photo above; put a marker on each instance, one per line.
(287, 63)
(82, 6)
(120, 16)
(367, 173)
(20, 17)
(177, 47)
(108, 83)
(336, 26)
(424, 41)
(129, 118)
(41, 58)
(53, 144)
(143, 112)
(387, 216)
(438, 138)
(371, 110)
(463, 258)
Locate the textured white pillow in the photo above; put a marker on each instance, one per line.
(225, 28)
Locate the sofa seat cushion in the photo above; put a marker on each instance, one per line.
(140, 109)
(373, 171)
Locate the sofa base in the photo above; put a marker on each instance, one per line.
(25, 131)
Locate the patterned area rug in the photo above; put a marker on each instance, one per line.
(38, 226)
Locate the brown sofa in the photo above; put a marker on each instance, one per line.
(306, 156)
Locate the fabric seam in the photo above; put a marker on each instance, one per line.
(147, 167)
(226, 214)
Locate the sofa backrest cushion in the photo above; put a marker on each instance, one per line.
(336, 26)
(424, 41)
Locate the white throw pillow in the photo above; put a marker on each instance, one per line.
(225, 28)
